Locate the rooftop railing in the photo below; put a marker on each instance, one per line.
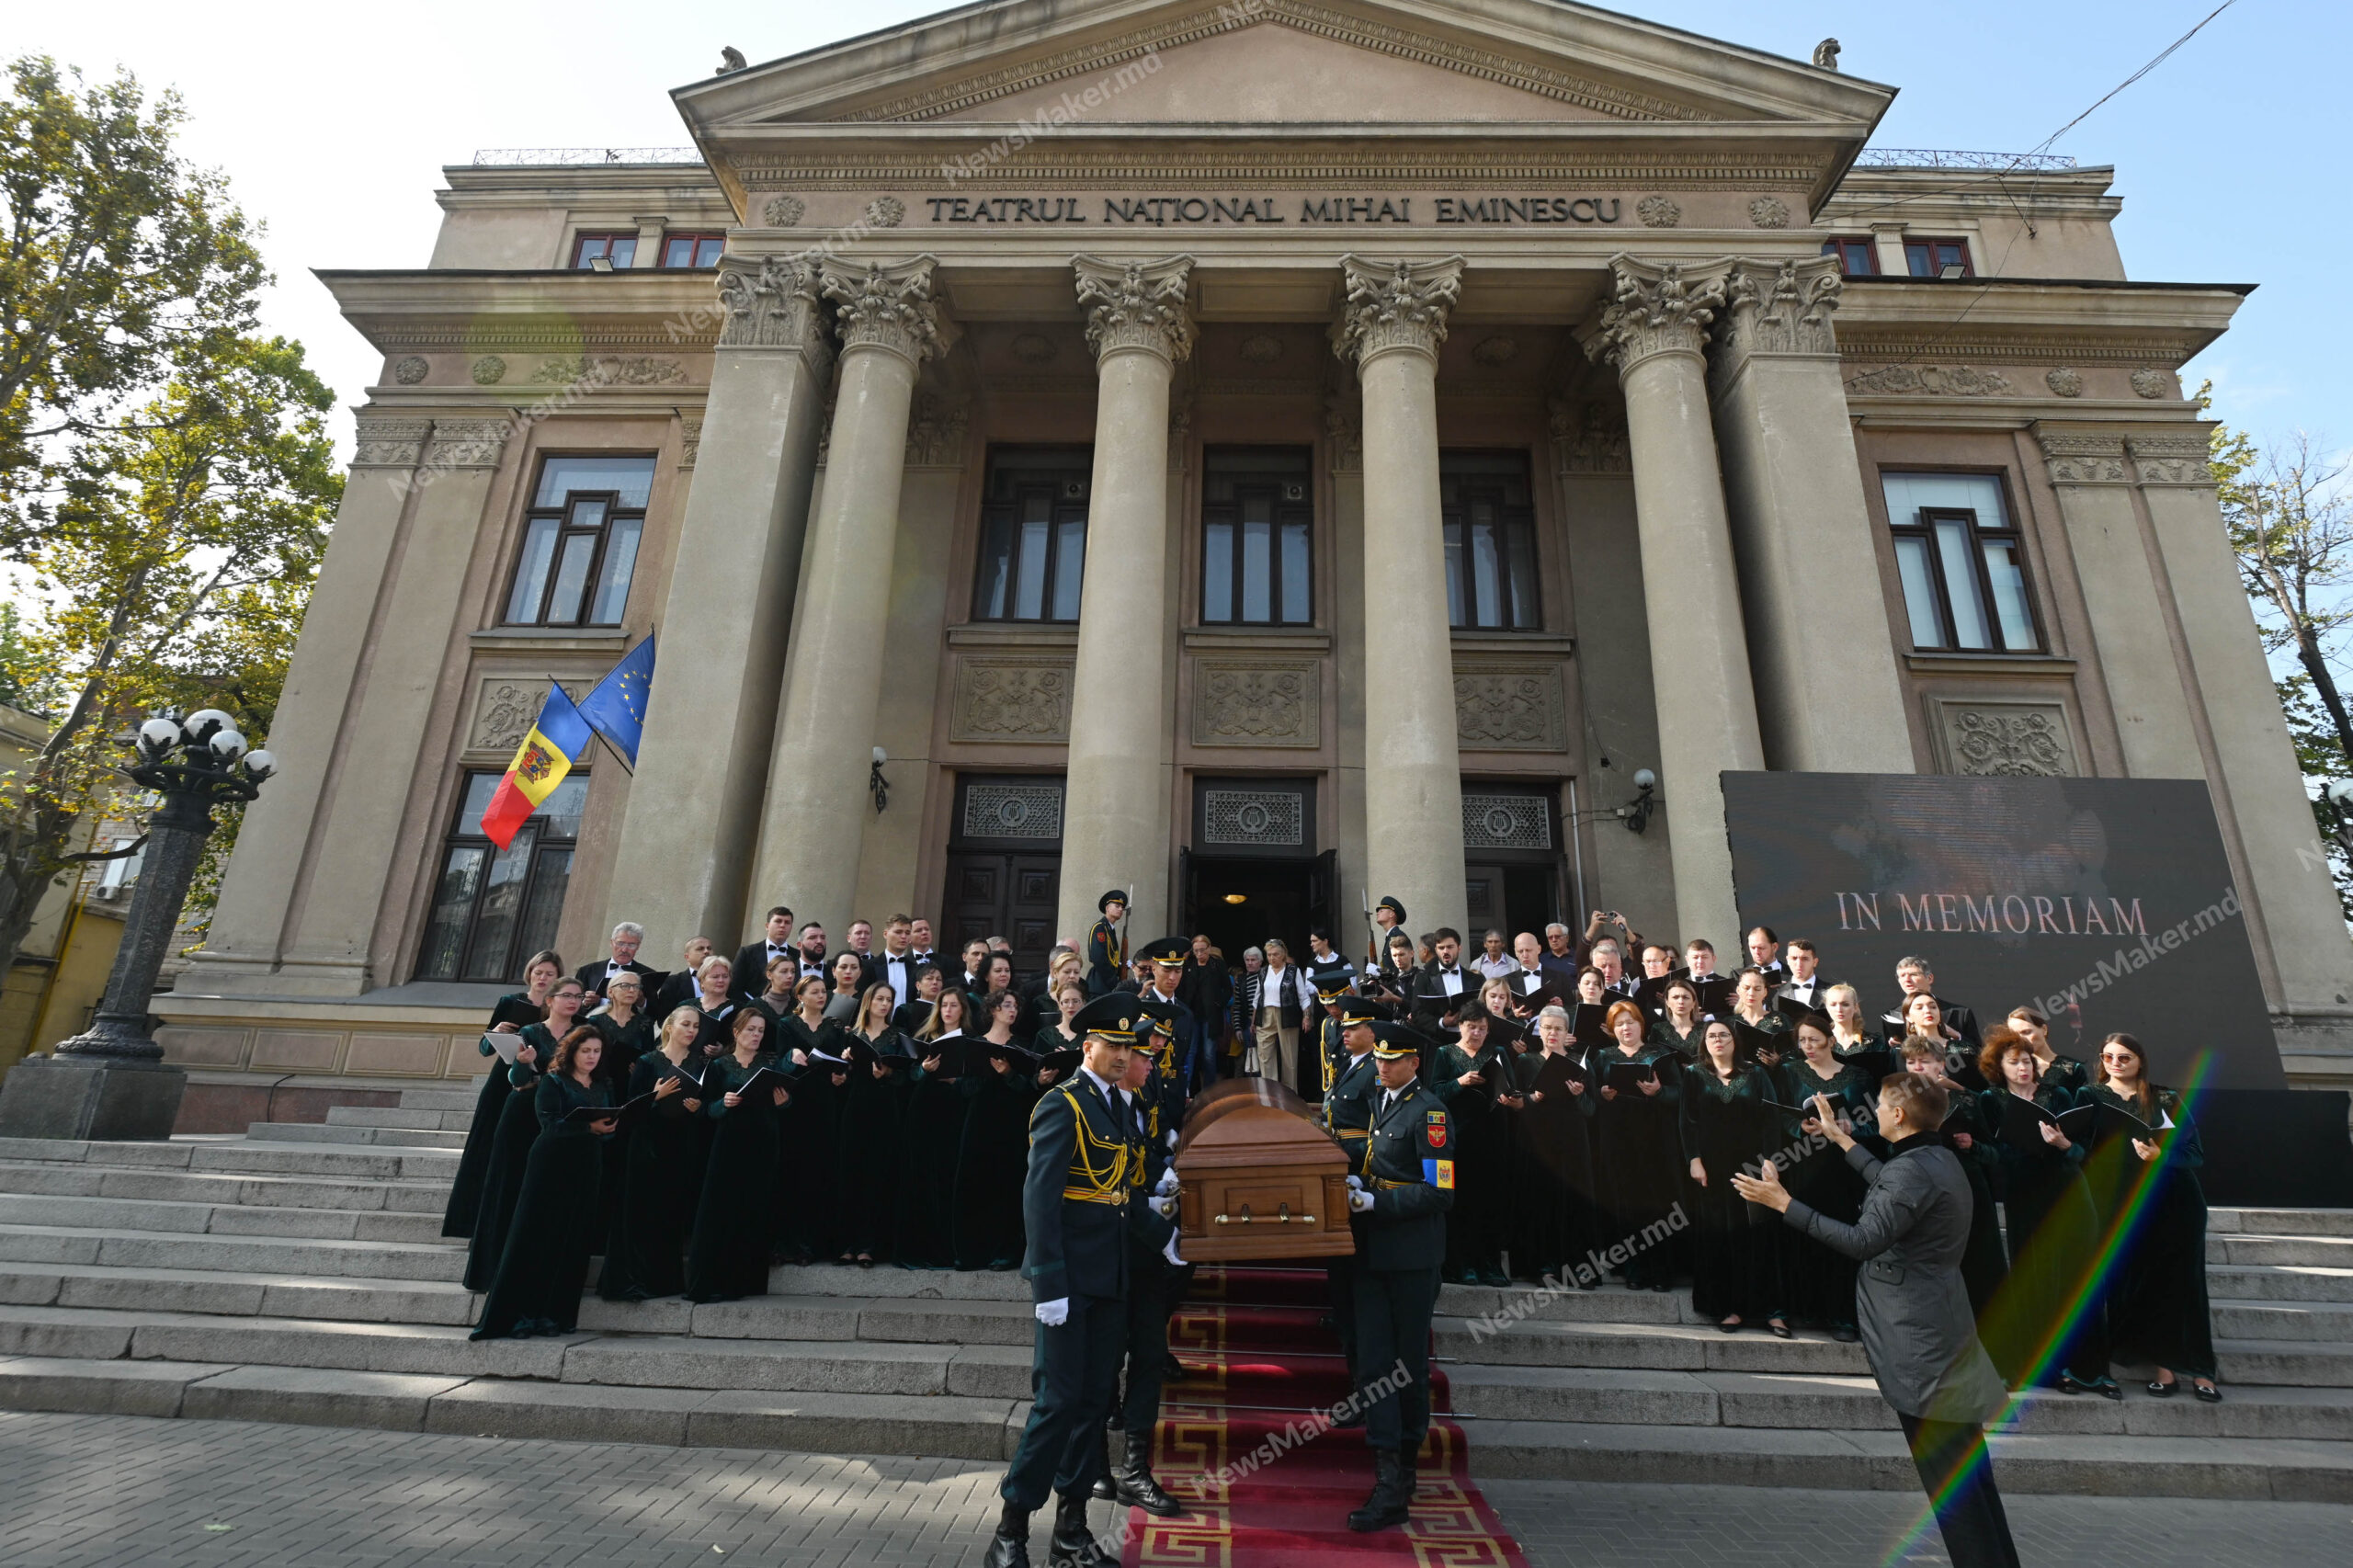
(1940, 158)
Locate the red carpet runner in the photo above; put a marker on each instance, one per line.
(1258, 1492)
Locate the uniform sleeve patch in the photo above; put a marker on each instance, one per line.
(1438, 1174)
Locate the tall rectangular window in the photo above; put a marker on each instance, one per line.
(1963, 563)
(1257, 544)
(617, 250)
(692, 250)
(1033, 534)
(1857, 257)
(1937, 258)
(493, 908)
(1488, 514)
(580, 541)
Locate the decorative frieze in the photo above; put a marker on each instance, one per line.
(1344, 433)
(390, 442)
(1996, 738)
(487, 370)
(1507, 821)
(997, 808)
(1658, 211)
(1257, 702)
(783, 211)
(2064, 382)
(936, 432)
(1929, 380)
(690, 438)
(1589, 437)
(411, 369)
(2174, 457)
(1510, 707)
(608, 370)
(885, 307)
(1136, 305)
(1782, 308)
(2150, 383)
(1654, 309)
(886, 211)
(467, 443)
(773, 305)
(1011, 697)
(1269, 819)
(1396, 305)
(2079, 458)
(1770, 212)
(506, 706)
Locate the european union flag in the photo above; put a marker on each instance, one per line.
(617, 705)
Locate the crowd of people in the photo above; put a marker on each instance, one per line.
(871, 1105)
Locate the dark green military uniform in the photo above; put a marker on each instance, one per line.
(1348, 1113)
(1401, 1244)
(1330, 989)
(1153, 1280)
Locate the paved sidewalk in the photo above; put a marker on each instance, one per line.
(114, 1492)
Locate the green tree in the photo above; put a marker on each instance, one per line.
(119, 264)
(2291, 523)
(179, 553)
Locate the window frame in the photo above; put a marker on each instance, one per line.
(1922, 524)
(1454, 514)
(1839, 244)
(607, 238)
(561, 515)
(1052, 471)
(696, 239)
(464, 836)
(1931, 243)
(1283, 513)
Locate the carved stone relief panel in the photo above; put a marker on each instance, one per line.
(1257, 702)
(1507, 821)
(1011, 697)
(506, 706)
(1993, 737)
(1510, 707)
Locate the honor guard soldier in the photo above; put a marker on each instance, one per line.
(1075, 1204)
(1156, 1275)
(1398, 1213)
(1347, 1116)
(1333, 989)
(1106, 955)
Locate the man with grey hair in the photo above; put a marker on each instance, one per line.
(594, 976)
(1282, 1004)
(1559, 963)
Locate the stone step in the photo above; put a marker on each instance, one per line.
(2325, 1252)
(2281, 1221)
(2292, 1362)
(2278, 1282)
(362, 1136)
(231, 1294)
(352, 1261)
(442, 1099)
(2327, 1322)
(34, 1179)
(221, 1220)
(1536, 1342)
(2282, 1469)
(251, 1156)
(937, 1427)
(423, 1120)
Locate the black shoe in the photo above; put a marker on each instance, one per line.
(1073, 1545)
(1350, 1419)
(2207, 1393)
(2070, 1383)
(1171, 1370)
(1132, 1483)
(1102, 1491)
(1844, 1333)
(1393, 1495)
(1009, 1548)
(1493, 1278)
(2163, 1390)
(2106, 1388)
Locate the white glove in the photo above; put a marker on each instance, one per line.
(1359, 1201)
(1167, 1185)
(1054, 1313)
(1165, 1206)
(1169, 1251)
(1356, 1184)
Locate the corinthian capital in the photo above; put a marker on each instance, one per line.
(886, 307)
(772, 304)
(1655, 310)
(1400, 304)
(1136, 304)
(1781, 308)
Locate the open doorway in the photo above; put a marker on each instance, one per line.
(1239, 903)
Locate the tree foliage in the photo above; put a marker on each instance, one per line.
(2290, 521)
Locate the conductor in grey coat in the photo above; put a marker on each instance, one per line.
(1914, 1308)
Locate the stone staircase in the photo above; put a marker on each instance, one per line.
(297, 1273)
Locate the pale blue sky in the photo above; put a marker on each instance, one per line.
(333, 124)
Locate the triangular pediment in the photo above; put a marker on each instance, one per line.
(1281, 62)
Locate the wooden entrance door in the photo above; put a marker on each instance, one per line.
(999, 893)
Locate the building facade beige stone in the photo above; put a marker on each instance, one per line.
(1282, 451)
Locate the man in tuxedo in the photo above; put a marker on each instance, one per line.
(1533, 976)
(1914, 976)
(752, 960)
(594, 977)
(1443, 984)
(1765, 955)
(1806, 982)
(896, 964)
(919, 941)
(870, 963)
(814, 957)
(1611, 962)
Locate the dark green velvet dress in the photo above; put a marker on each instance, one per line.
(465, 1192)
(1817, 1284)
(1726, 1126)
(661, 1185)
(2054, 1236)
(558, 1216)
(510, 1148)
(1637, 1164)
(872, 1130)
(727, 1257)
(991, 1165)
(923, 1235)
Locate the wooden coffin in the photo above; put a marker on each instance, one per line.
(1258, 1177)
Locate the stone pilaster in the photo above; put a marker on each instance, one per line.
(1116, 798)
(693, 813)
(1391, 328)
(1829, 696)
(1653, 333)
(812, 826)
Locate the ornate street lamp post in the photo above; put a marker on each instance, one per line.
(112, 1081)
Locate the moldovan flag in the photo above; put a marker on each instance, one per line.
(547, 753)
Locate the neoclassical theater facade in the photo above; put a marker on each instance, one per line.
(1264, 455)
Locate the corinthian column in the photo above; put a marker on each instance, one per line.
(1653, 333)
(814, 824)
(1115, 808)
(1391, 326)
(1829, 699)
(694, 805)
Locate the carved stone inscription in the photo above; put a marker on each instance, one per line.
(1015, 697)
(1511, 707)
(1257, 702)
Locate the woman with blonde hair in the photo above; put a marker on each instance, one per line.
(661, 1171)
